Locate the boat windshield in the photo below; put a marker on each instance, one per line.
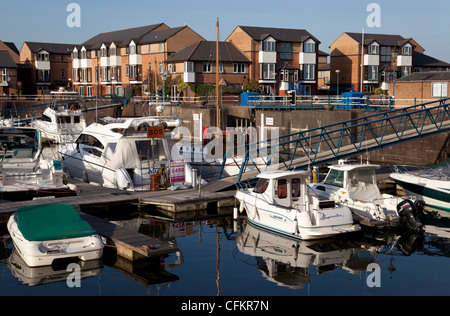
(335, 177)
(151, 149)
(360, 177)
(261, 185)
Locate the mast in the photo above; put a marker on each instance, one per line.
(217, 73)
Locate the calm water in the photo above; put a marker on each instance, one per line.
(217, 260)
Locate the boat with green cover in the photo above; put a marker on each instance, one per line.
(43, 233)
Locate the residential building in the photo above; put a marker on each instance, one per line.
(425, 63)
(323, 78)
(283, 60)
(50, 65)
(420, 87)
(8, 74)
(130, 59)
(196, 64)
(363, 62)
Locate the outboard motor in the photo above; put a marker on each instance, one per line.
(409, 215)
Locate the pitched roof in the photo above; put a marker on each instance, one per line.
(53, 48)
(422, 60)
(120, 37)
(159, 36)
(279, 34)
(382, 39)
(427, 76)
(206, 51)
(12, 46)
(6, 61)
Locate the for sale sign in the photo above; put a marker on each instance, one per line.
(177, 171)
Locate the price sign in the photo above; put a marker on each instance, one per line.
(155, 131)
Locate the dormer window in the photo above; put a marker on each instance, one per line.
(132, 48)
(112, 51)
(374, 49)
(269, 45)
(309, 46)
(43, 56)
(407, 50)
(75, 54)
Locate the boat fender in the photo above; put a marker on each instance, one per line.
(241, 206)
(163, 173)
(235, 213)
(295, 226)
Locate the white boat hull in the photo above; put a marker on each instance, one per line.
(434, 193)
(297, 224)
(42, 253)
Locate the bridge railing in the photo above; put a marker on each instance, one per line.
(342, 139)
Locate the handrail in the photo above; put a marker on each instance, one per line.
(349, 138)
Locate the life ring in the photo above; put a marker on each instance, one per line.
(316, 99)
(73, 107)
(163, 172)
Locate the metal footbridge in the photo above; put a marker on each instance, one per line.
(338, 141)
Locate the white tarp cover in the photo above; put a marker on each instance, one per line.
(125, 155)
(361, 185)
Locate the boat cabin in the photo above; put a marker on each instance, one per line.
(358, 181)
(283, 188)
(18, 143)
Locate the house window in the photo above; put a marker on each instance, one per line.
(308, 71)
(207, 68)
(63, 74)
(75, 55)
(132, 49)
(188, 66)
(309, 47)
(286, 51)
(439, 89)
(407, 50)
(295, 75)
(406, 70)
(385, 54)
(5, 74)
(103, 52)
(112, 51)
(372, 73)
(418, 69)
(239, 68)
(220, 68)
(43, 56)
(373, 49)
(269, 45)
(268, 71)
(161, 47)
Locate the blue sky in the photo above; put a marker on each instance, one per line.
(45, 20)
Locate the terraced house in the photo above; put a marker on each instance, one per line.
(283, 60)
(130, 60)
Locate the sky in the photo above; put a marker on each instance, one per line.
(46, 20)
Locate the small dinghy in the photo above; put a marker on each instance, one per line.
(280, 202)
(44, 233)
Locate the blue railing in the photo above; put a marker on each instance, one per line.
(344, 139)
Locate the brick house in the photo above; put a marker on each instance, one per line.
(8, 74)
(282, 59)
(196, 64)
(383, 57)
(129, 59)
(421, 87)
(50, 65)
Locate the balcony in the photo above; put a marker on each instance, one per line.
(115, 61)
(371, 60)
(42, 65)
(404, 60)
(307, 58)
(135, 59)
(189, 77)
(267, 57)
(85, 63)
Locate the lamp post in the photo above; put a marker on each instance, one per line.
(337, 76)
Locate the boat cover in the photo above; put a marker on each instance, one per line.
(51, 222)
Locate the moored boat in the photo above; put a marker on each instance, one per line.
(431, 186)
(355, 185)
(281, 202)
(127, 153)
(44, 233)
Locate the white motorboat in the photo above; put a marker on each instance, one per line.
(281, 202)
(355, 185)
(61, 124)
(431, 186)
(44, 233)
(127, 153)
(25, 173)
